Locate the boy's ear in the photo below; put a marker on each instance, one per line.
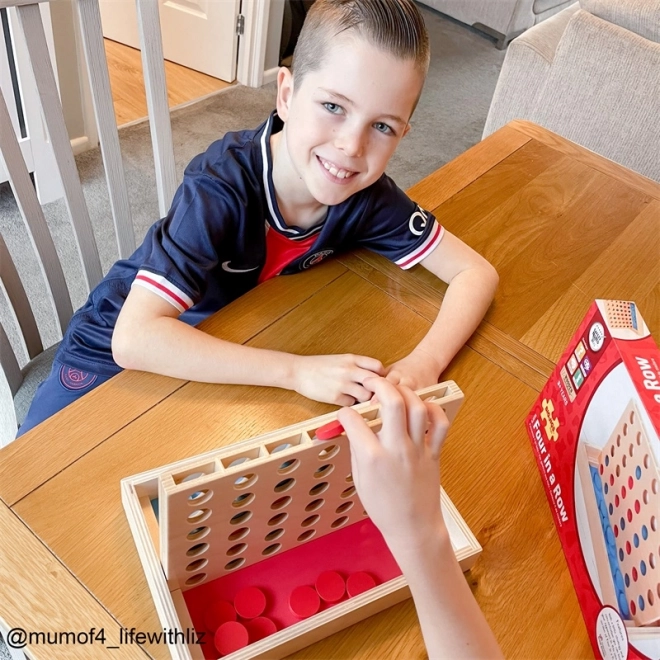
(284, 92)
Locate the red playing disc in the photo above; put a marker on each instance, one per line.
(250, 602)
(231, 636)
(218, 613)
(329, 431)
(330, 586)
(259, 628)
(358, 583)
(304, 601)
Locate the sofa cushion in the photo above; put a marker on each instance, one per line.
(639, 16)
(541, 6)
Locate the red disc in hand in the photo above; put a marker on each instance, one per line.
(328, 431)
(358, 583)
(231, 636)
(259, 628)
(250, 602)
(218, 613)
(330, 586)
(304, 601)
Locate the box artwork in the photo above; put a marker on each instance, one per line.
(594, 430)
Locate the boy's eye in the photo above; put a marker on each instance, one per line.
(382, 127)
(332, 107)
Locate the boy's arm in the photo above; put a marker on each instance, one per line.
(150, 337)
(472, 283)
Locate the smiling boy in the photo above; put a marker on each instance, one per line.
(306, 184)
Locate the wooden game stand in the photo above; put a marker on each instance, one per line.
(209, 500)
(629, 450)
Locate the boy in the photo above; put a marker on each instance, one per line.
(307, 183)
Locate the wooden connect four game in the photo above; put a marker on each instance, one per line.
(268, 538)
(624, 517)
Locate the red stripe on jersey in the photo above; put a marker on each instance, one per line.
(281, 251)
(429, 245)
(164, 289)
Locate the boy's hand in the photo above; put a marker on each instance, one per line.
(396, 472)
(417, 370)
(335, 379)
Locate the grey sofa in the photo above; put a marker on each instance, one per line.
(501, 19)
(591, 74)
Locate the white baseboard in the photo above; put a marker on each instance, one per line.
(80, 144)
(270, 75)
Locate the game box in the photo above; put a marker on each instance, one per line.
(257, 549)
(594, 430)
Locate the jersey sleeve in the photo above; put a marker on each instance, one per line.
(396, 227)
(180, 252)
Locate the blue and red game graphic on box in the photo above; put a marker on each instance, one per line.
(594, 430)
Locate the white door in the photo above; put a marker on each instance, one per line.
(19, 90)
(199, 34)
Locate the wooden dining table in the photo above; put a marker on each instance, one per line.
(562, 225)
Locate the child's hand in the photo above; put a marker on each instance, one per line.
(396, 472)
(335, 379)
(417, 370)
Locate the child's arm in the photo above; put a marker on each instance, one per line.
(149, 337)
(472, 283)
(397, 478)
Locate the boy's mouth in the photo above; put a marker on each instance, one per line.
(336, 172)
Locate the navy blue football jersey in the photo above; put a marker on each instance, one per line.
(224, 234)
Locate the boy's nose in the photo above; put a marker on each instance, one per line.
(351, 142)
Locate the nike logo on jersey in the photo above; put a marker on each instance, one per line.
(229, 269)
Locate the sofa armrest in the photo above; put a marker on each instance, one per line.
(525, 70)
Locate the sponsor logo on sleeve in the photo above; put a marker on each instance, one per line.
(418, 221)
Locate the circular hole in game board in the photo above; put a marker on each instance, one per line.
(646, 461)
(346, 506)
(200, 497)
(364, 513)
(288, 466)
(245, 481)
(305, 536)
(654, 486)
(340, 522)
(328, 452)
(242, 500)
(309, 521)
(240, 518)
(198, 533)
(284, 485)
(196, 565)
(639, 438)
(198, 516)
(625, 429)
(651, 560)
(281, 503)
(235, 563)
(198, 549)
(271, 549)
(632, 417)
(645, 496)
(278, 519)
(315, 505)
(624, 460)
(195, 579)
(618, 470)
(612, 451)
(274, 535)
(654, 523)
(631, 450)
(349, 492)
(318, 489)
(650, 597)
(618, 440)
(349, 479)
(239, 534)
(324, 471)
(236, 549)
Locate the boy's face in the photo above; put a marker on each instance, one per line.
(345, 119)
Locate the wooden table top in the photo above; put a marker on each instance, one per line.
(562, 226)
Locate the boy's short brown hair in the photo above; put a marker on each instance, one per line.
(395, 26)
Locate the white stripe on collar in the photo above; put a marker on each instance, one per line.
(270, 194)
